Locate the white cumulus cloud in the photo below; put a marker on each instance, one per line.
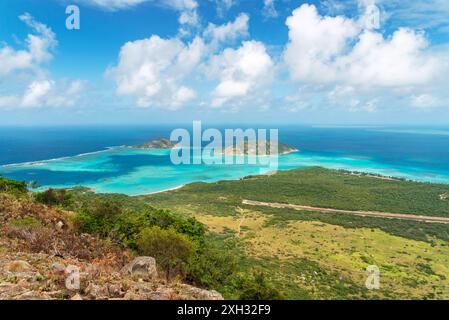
(40, 91)
(327, 49)
(39, 47)
(241, 72)
(228, 32)
(153, 71)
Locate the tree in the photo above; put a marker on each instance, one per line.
(171, 249)
(53, 197)
(103, 208)
(257, 287)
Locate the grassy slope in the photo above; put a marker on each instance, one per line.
(312, 255)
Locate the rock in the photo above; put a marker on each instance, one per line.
(98, 292)
(58, 267)
(115, 290)
(18, 266)
(76, 297)
(141, 266)
(132, 296)
(32, 295)
(201, 294)
(60, 225)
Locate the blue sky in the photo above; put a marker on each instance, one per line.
(275, 61)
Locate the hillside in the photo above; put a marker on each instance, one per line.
(40, 245)
(316, 255)
(239, 244)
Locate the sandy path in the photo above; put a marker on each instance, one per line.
(376, 214)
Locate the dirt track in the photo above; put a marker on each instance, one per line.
(375, 214)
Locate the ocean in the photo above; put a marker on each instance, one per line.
(94, 157)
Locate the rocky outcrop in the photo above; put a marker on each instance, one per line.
(42, 259)
(26, 276)
(141, 267)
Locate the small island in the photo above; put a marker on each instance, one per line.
(161, 143)
(244, 148)
(251, 148)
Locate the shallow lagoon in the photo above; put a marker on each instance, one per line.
(135, 172)
(420, 154)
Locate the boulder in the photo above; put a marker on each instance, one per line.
(58, 267)
(142, 267)
(194, 293)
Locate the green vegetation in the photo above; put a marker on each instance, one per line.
(110, 220)
(407, 229)
(204, 235)
(311, 255)
(161, 143)
(13, 187)
(26, 222)
(53, 197)
(257, 287)
(179, 244)
(171, 249)
(252, 148)
(315, 187)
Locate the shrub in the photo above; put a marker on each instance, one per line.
(171, 249)
(12, 186)
(257, 287)
(26, 222)
(53, 197)
(214, 266)
(188, 226)
(124, 227)
(103, 208)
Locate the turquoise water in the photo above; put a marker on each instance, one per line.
(415, 154)
(136, 172)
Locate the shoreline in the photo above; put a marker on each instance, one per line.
(162, 191)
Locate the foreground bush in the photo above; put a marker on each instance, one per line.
(171, 249)
(124, 227)
(214, 265)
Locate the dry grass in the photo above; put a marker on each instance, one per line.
(36, 228)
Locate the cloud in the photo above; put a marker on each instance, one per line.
(39, 47)
(425, 101)
(228, 32)
(336, 49)
(423, 14)
(159, 72)
(36, 93)
(40, 91)
(153, 71)
(269, 9)
(188, 14)
(242, 73)
(315, 42)
(355, 66)
(125, 4)
(224, 5)
(44, 93)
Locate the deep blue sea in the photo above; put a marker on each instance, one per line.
(93, 156)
